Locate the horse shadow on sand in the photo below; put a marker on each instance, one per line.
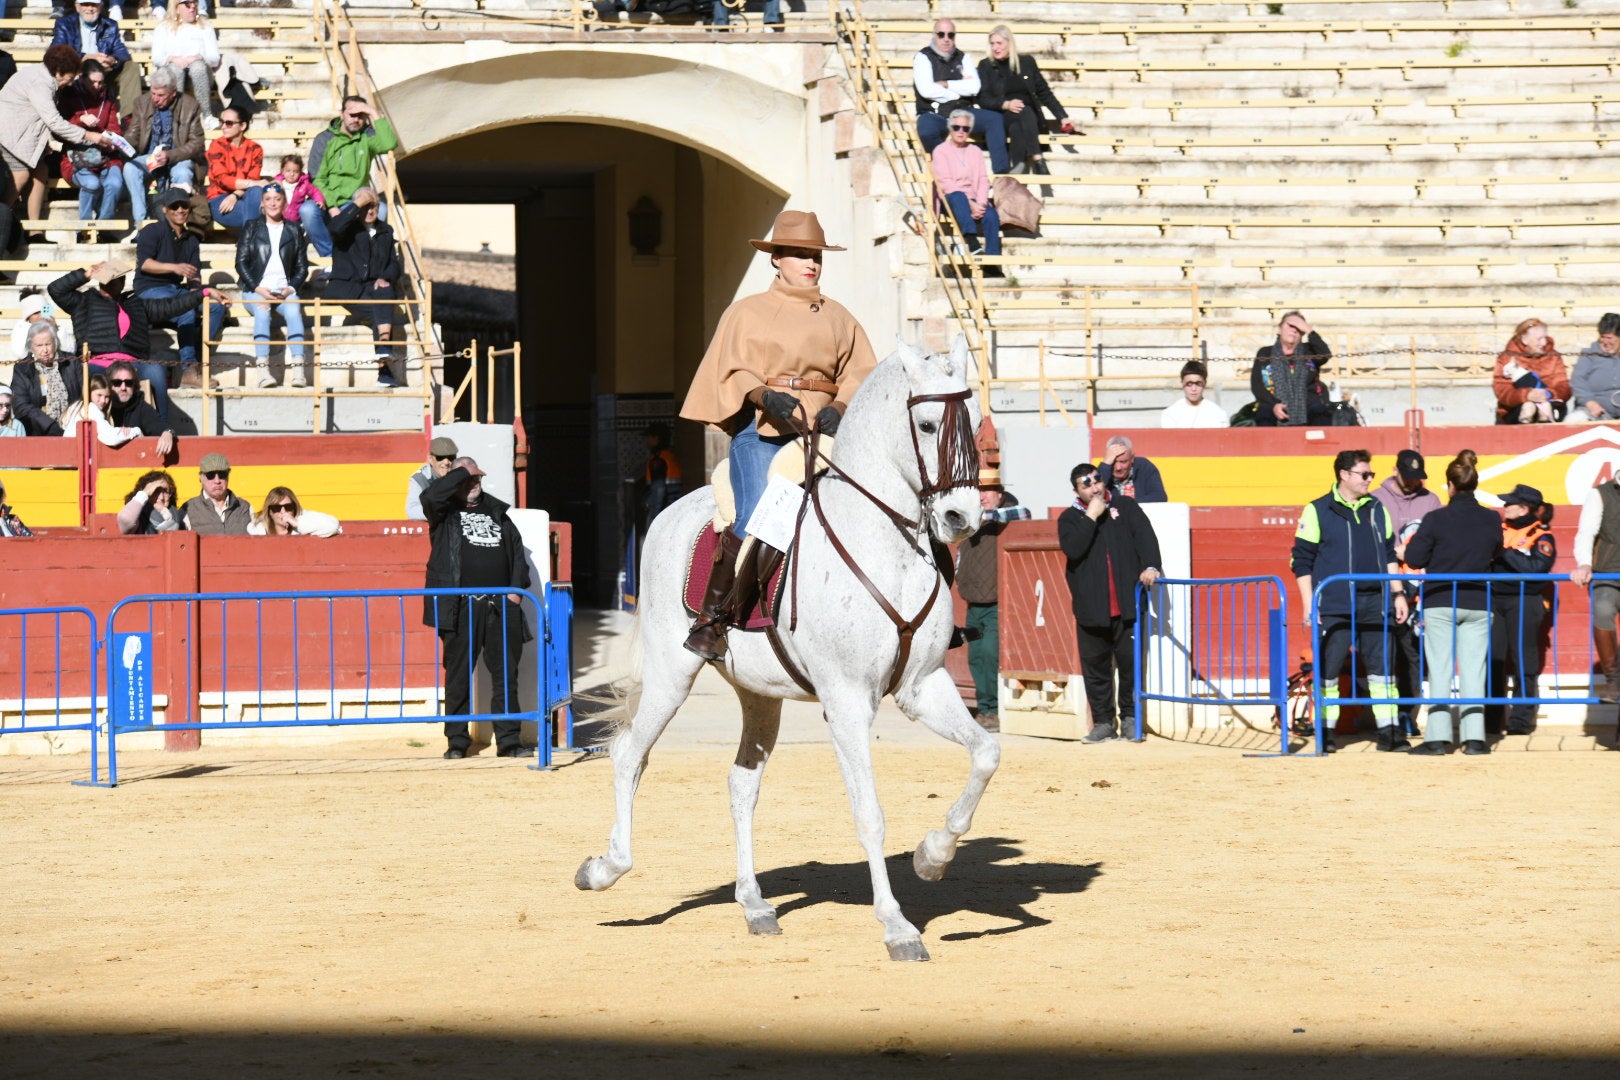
(985, 878)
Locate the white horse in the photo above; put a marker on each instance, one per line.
(900, 475)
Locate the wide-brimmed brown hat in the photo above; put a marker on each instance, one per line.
(796, 229)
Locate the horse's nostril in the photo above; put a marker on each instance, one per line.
(954, 519)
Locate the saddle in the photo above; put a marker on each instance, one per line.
(700, 564)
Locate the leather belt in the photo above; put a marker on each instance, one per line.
(800, 382)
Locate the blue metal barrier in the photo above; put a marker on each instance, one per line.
(355, 646)
(559, 666)
(1215, 641)
(1503, 593)
(27, 631)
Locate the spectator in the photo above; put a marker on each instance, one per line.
(10, 523)
(976, 583)
(1193, 411)
(10, 426)
(340, 162)
(1347, 531)
(115, 325)
(129, 409)
(167, 257)
(662, 474)
(97, 171)
(166, 132)
(44, 385)
(283, 515)
(298, 187)
(217, 511)
(1461, 537)
(1286, 379)
(272, 261)
(474, 545)
(959, 174)
(186, 42)
(151, 507)
(945, 80)
(1109, 545)
(1531, 386)
(97, 38)
(1517, 608)
(721, 15)
(1596, 382)
(1406, 500)
(1597, 549)
(94, 411)
(365, 265)
(1012, 82)
(28, 120)
(1130, 475)
(235, 168)
(441, 452)
(37, 306)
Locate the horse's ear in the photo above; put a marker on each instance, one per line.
(961, 358)
(910, 355)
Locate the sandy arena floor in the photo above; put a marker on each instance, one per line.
(1153, 910)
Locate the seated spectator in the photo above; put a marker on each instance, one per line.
(167, 258)
(150, 508)
(115, 325)
(721, 15)
(94, 411)
(28, 120)
(441, 455)
(165, 128)
(946, 80)
(217, 511)
(1130, 475)
(1530, 383)
(10, 426)
(1286, 379)
(94, 32)
(97, 171)
(298, 187)
(960, 176)
(36, 306)
(44, 385)
(1596, 381)
(129, 409)
(282, 515)
(10, 523)
(1012, 82)
(1193, 411)
(235, 172)
(185, 41)
(272, 261)
(365, 265)
(340, 162)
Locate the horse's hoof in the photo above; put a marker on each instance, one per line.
(930, 867)
(763, 925)
(907, 951)
(593, 876)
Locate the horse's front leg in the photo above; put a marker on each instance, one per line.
(935, 702)
(762, 719)
(850, 722)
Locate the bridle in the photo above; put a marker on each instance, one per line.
(958, 464)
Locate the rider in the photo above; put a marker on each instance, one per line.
(785, 347)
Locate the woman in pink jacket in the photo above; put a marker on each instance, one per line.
(962, 181)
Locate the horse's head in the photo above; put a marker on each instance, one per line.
(944, 418)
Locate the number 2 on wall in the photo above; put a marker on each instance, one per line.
(1040, 602)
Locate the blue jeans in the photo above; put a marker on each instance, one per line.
(987, 122)
(750, 457)
(1469, 650)
(136, 176)
(245, 210)
(773, 13)
(291, 314)
(315, 222)
(987, 228)
(185, 325)
(98, 192)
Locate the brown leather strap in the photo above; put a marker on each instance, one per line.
(774, 636)
(803, 382)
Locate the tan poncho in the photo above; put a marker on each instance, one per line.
(783, 331)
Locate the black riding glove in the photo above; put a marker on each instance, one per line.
(828, 419)
(779, 406)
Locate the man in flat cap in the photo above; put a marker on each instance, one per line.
(441, 455)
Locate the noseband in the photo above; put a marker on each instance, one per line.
(958, 464)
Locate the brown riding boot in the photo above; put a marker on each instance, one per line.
(708, 636)
(1604, 641)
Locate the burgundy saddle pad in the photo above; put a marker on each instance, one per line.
(697, 583)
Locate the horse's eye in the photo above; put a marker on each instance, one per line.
(927, 427)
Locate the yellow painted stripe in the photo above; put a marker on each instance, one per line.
(1296, 480)
(44, 498)
(369, 491)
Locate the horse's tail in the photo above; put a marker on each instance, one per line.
(625, 691)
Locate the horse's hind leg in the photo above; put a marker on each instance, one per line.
(667, 675)
(762, 719)
(937, 704)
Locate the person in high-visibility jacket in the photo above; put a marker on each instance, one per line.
(1519, 608)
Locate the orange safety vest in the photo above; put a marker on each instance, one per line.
(671, 466)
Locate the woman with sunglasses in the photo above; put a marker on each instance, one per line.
(283, 515)
(1012, 82)
(151, 507)
(965, 187)
(235, 172)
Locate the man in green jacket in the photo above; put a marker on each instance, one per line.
(340, 164)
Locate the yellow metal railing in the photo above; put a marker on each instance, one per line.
(468, 387)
